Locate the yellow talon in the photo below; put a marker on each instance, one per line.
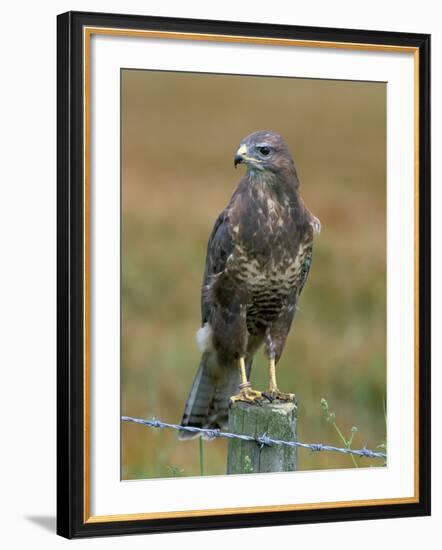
(275, 394)
(245, 388)
(247, 394)
(273, 391)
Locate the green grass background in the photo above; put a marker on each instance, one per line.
(179, 135)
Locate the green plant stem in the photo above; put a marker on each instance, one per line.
(346, 443)
(201, 457)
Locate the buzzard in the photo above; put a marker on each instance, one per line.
(258, 258)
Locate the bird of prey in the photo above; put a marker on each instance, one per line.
(258, 259)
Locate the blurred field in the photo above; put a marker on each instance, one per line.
(180, 132)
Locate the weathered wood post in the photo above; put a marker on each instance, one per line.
(276, 420)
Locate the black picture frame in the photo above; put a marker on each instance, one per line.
(71, 519)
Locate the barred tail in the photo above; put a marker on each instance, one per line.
(208, 403)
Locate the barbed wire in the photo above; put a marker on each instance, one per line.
(262, 441)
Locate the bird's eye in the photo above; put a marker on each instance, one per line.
(265, 151)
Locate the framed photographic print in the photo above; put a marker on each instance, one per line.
(267, 189)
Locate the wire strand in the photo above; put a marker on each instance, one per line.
(262, 440)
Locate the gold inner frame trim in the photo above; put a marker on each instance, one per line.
(87, 34)
(416, 274)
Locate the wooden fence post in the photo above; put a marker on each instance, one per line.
(276, 420)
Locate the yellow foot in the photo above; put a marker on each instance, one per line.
(248, 395)
(273, 394)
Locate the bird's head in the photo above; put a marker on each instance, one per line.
(264, 151)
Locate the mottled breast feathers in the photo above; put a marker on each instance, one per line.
(264, 243)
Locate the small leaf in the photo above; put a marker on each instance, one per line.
(176, 471)
(248, 469)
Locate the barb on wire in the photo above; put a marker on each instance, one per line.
(262, 440)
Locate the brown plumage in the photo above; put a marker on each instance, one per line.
(258, 259)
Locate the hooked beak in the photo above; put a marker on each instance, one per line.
(239, 157)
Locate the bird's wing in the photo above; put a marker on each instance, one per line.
(306, 251)
(306, 260)
(219, 248)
